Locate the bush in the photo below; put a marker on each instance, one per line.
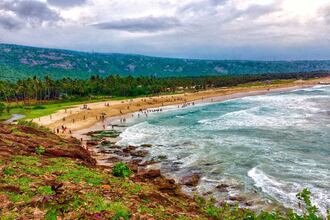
(121, 170)
(40, 150)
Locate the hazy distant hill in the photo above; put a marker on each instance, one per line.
(22, 61)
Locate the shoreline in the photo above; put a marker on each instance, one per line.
(209, 100)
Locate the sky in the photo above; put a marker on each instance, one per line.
(202, 29)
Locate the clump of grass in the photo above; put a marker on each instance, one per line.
(8, 171)
(40, 150)
(121, 170)
(45, 190)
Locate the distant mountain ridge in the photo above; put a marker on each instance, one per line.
(17, 62)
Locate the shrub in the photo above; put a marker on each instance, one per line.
(121, 170)
(8, 171)
(40, 150)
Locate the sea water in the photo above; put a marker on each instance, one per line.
(271, 145)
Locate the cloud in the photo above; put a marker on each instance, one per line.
(9, 22)
(253, 11)
(224, 29)
(206, 6)
(142, 24)
(325, 13)
(66, 3)
(31, 11)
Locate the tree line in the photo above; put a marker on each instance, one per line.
(41, 90)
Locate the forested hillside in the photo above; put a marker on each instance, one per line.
(17, 62)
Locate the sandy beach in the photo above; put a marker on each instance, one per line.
(95, 116)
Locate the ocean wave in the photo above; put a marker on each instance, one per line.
(286, 192)
(283, 136)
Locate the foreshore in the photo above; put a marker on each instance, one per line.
(95, 116)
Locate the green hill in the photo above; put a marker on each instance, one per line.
(18, 62)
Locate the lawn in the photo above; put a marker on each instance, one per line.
(36, 111)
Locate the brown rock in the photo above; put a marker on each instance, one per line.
(237, 198)
(129, 149)
(92, 143)
(191, 180)
(222, 187)
(140, 153)
(150, 174)
(167, 185)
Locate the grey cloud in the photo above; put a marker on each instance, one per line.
(30, 10)
(66, 3)
(143, 24)
(9, 22)
(253, 11)
(208, 6)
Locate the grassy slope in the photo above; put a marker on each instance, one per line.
(37, 183)
(47, 187)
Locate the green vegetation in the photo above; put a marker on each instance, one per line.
(40, 150)
(19, 62)
(45, 107)
(34, 97)
(121, 170)
(61, 187)
(23, 175)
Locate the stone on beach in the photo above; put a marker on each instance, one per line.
(190, 180)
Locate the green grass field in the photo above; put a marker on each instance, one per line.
(39, 110)
(36, 111)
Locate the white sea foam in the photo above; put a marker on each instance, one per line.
(283, 136)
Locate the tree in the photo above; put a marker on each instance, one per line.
(2, 107)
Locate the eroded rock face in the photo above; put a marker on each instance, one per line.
(23, 140)
(190, 180)
(150, 174)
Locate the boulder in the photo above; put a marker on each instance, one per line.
(150, 174)
(139, 153)
(167, 185)
(237, 198)
(222, 187)
(190, 180)
(129, 149)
